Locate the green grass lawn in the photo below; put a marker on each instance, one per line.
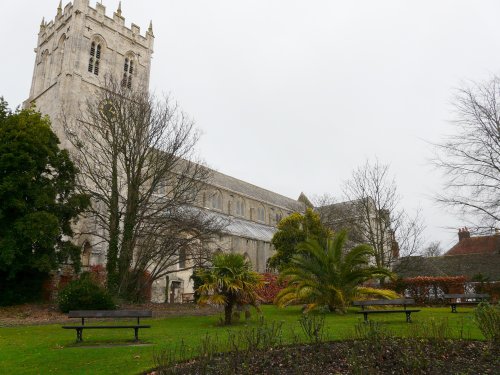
(49, 349)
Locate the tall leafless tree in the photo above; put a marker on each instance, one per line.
(136, 159)
(470, 157)
(371, 212)
(433, 249)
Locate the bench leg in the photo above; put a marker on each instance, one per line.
(453, 308)
(79, 335)
(136, 334)
(408, 316)
(366, 317)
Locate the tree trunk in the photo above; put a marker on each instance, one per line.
(228, 313)
(114, 231)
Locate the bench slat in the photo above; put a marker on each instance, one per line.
(110, 314)
(467, 296)
(383, 302)
(103, 327)
(384, 311)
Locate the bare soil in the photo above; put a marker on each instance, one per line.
(398, 356)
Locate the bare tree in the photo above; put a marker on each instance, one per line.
(371, 213)
(135, 155)
(470, 157)
(433, 249)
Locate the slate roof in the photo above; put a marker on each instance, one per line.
(249, 190)
(243, 228)
(467, 265)
(476, 245)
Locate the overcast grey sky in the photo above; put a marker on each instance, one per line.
(292, 95)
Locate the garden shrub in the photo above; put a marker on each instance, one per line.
(85, 294)
(428, 289)
(270, 289)
(487, 318)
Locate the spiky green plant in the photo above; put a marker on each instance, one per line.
(330, 276)
(229, 282)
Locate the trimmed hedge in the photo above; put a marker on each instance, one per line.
(428, 289)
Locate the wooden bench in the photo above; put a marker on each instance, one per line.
(187, 297)
(386, 302)
(465, 299)
(101, 314)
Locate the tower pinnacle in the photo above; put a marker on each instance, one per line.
(150, 29)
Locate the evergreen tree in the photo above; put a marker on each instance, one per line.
(37, 202)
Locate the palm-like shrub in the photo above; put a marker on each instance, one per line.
(330, 276)
(229, 282)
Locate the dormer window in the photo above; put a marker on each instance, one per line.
(128, 71)
(95, 57)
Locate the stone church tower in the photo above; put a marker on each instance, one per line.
(75, 52)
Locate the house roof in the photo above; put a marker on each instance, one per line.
(476, 245)
(467, 265)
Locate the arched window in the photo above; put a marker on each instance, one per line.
(43, 71)
(128, 71)
(217, 201)
(95, 58)
(60, 53)
(86, 253)
(247, 258)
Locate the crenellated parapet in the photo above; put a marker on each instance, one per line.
(98, 15)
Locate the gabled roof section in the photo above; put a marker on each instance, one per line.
(476, 245)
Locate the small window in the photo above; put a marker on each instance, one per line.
(261, 214)
(182, 258)
(240, 208)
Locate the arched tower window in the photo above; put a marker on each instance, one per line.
(43, 71)
(128, 72)
(95, 57)
(60, 53)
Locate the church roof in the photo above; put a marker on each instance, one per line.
(249, 190)
(243, 228)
